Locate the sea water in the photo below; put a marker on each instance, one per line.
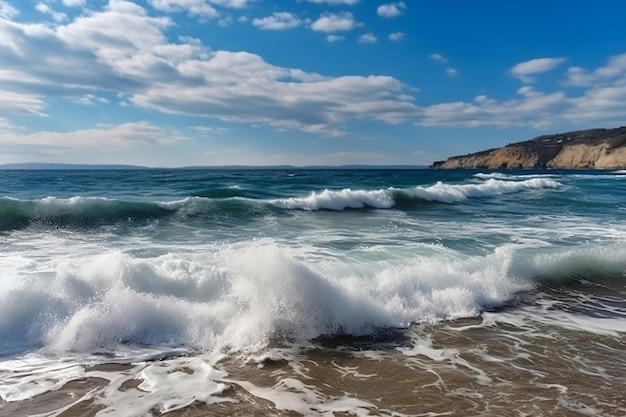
(312, 292)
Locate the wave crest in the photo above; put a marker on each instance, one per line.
(454, 193)
(244, 295)
(503, 176)
(338, 200)
(82, 212)
(390, 197)
(87, 212)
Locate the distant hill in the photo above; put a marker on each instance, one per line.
(581, 149)
(51, 166)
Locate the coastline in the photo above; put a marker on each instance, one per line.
(603, 149)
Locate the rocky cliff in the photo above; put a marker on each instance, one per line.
(594, 148)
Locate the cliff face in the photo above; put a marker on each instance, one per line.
(595, 148)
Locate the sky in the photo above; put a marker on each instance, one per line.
(170, 83)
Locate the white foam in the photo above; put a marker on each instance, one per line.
(53, 206)
(240, 296)
(164, 386)
(454, 193)
(545, 313)
(597, 175)
(384, 198)
(293, 395)
(503, 176)
(600, 176)
(338, 200)
(176, 204)
(28, 377)
(422, 346)
(237, 297)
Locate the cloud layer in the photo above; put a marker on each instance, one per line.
(121, 49)
(126, 54)
(391, 10)
(524, 70)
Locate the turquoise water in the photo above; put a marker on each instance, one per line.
(128, 266)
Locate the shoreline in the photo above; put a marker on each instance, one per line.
(468, 367)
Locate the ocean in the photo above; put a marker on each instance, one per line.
(316, 292)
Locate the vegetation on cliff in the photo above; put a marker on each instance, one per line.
(593, 148)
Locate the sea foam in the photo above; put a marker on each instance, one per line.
(242, 296)
(238, 297)
(504, 176)
(453, 193)
(338, 200)
(387, 198)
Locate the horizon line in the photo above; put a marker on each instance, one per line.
(62, 165)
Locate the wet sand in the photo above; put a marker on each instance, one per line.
(464, 368)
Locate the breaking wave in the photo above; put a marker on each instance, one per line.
(503, 176)
(243, 296)
(75, 212)
(87, 212)
(387, 198)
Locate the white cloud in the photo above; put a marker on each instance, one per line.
(120, 28)
(125, 136)
(368, 38)
(577, 76)
(334, 38)
(17, 103)
(90, 99)
(4, 124)
(208, 131)
(615, 67)
(524, 70)
(204, 8)
(438, 58)
(7, 11)
(391, 10)
(533, 108)
(241, 87)
(330, 23)
(74, 3)
(452, 72)
(45, 9)
(396, 36)
(120, 50)
(225, 21)
(124, 51)
(193, 7)
(603, 102)
(605, 94)
(232, 4)
(278, 21)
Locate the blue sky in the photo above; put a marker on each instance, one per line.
(301, 82)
